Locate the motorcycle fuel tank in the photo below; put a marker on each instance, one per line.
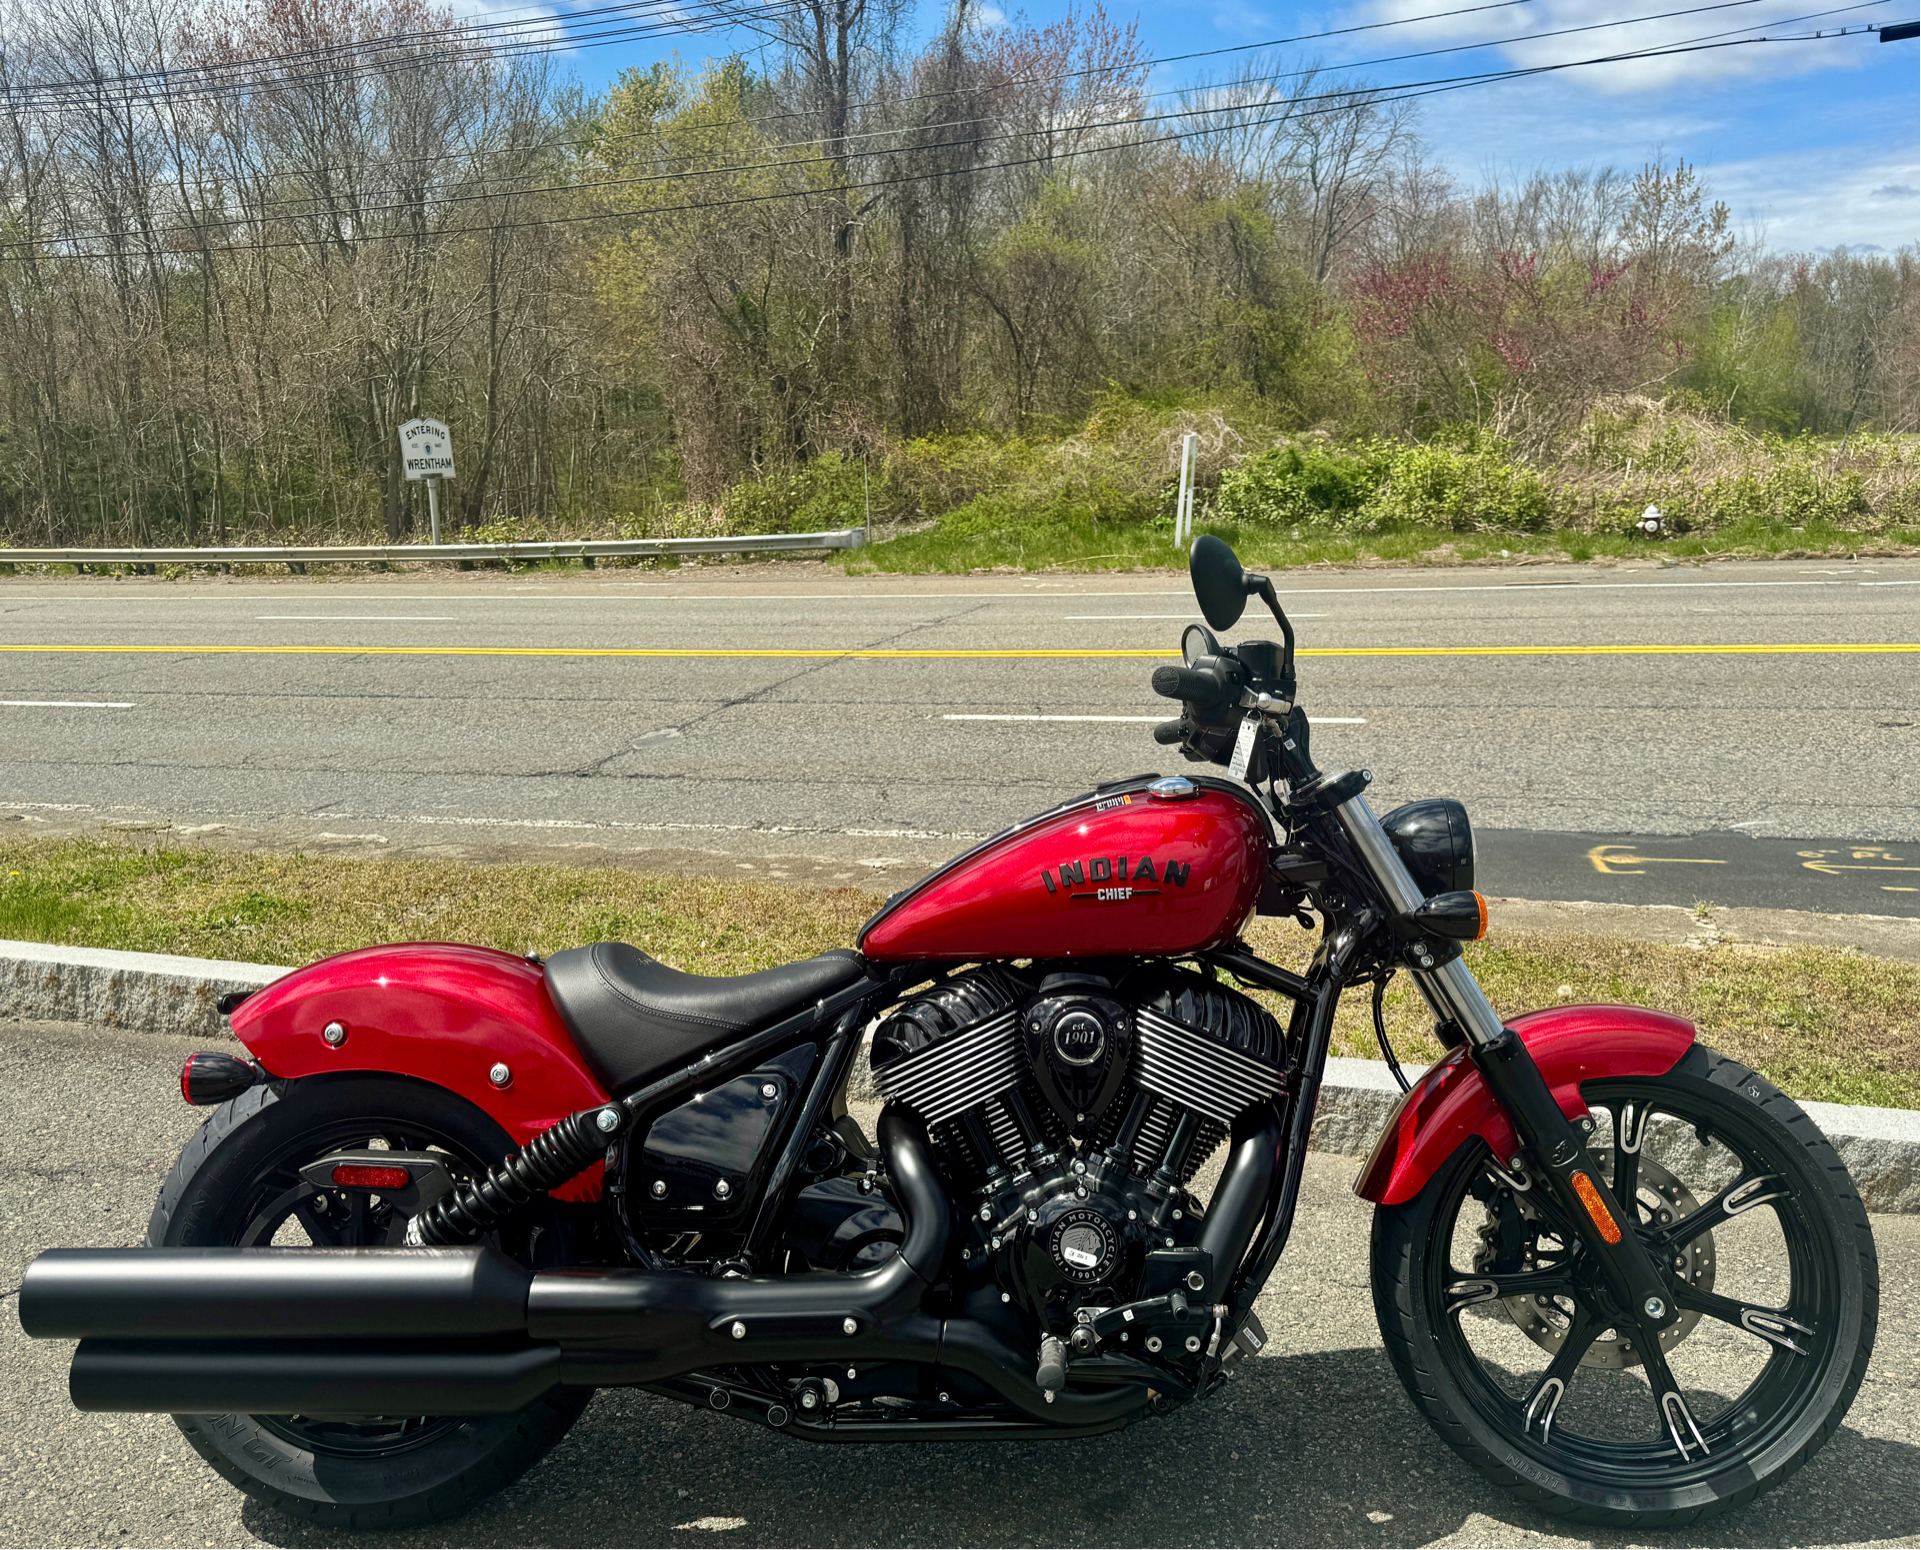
(1146, 867)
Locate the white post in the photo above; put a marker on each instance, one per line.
(433, 508)
(1184, 506)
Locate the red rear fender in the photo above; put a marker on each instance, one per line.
(441, 1013)
(1571, 1044)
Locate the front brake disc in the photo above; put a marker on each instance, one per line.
(1663, 1198)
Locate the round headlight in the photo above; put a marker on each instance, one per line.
(1435, 842)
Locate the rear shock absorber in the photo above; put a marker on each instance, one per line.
(475, 1207)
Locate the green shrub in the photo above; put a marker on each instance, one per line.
(1463, 487)
(932, 475)
(1098, 503)
(1303, 486)
(817, 497)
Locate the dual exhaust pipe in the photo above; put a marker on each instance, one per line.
(467, 1331)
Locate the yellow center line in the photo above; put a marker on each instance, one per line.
(897, 654)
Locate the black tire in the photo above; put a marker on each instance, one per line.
(380, 1473)
(1602, 1465)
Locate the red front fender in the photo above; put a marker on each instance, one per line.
(1571, 1044)
(438, 1012)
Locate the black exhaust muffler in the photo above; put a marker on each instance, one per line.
(468, 1332)
(223, 1294)
(286, 1377)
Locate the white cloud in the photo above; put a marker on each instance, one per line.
(1529, 47)
(501, 11)
(1812, 166)
(1818, 200)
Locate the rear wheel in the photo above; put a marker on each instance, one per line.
(238, 1183)
(1509, 1342)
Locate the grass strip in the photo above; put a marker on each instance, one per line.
(1041, 545)
(1822, 1023)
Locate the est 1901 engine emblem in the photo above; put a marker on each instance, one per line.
(1080, 1037)
(1079, 1045)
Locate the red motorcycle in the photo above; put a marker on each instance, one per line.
(456, 1191)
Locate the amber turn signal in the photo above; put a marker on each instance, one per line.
(1460, 916)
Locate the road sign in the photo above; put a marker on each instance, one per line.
(427, 450)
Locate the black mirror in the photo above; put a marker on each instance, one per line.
(1198, 641)
(1220, 584)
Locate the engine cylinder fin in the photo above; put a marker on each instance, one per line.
(1006, 1134)
(952, 1143)
(1150, 1141)
(1196, 1072)
(1210, 1135)
(958, 1073)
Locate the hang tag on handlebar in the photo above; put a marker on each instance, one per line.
(1244, 746)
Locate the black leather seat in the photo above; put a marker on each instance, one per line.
(634, 1017)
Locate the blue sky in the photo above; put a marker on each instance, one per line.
(1812, 144)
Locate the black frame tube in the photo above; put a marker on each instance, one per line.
(830, 1071)
(1317, 998)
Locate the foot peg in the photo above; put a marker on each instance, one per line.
(1052, 1373)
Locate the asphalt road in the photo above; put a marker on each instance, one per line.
(1314, 1444)
(1569, 707)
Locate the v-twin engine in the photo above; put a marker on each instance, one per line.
(1070, 1113)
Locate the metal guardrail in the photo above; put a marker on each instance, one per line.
(587, 550)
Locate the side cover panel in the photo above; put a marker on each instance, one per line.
(1571, 1044)
(442, 1013)
(1117, 873)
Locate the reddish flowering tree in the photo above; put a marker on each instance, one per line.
(1511, 342)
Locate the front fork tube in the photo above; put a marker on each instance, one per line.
(1550, 1142)
(1548, 1138)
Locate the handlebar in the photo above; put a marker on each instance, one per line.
(1208, 682)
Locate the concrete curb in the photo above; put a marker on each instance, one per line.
(144, 992)
(160, 993)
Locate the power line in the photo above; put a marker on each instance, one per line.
(264, 213)
(390, 62)
(1406, 92)
(282, 211)
(538, 30)
(775, 118)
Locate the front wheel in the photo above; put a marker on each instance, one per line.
(238, 1182)
(1506, 1337)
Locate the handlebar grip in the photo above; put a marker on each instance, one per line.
(1170, 732)
(1191, 683)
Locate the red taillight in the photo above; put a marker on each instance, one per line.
(359, 1176)
(209, 1077)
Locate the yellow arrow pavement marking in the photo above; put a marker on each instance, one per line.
(1629, 865)
(903, 654)
(1817, 861)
